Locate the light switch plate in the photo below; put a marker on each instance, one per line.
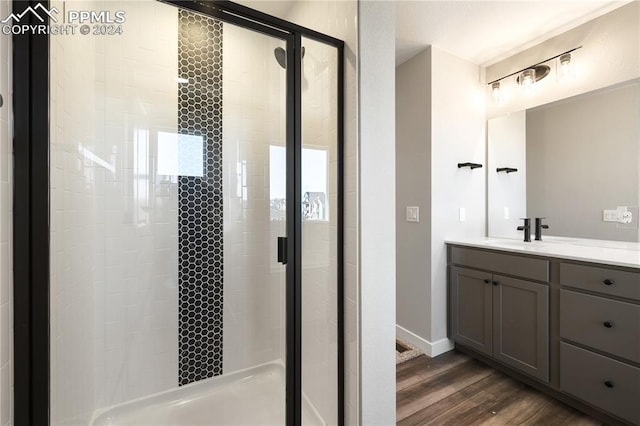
(463, 214)
(413, 214)
(610, 215)
(506, 213)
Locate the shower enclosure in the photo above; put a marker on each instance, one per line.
(178, 188)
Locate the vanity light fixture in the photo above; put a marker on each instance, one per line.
(528, 76)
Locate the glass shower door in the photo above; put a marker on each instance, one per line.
(168, 194)
(321, 218)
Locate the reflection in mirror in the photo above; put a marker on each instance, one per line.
(578, 164)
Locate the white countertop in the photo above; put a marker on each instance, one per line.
(617, 253)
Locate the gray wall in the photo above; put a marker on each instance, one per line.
(583, 156)
(413, 188)
(440, 120)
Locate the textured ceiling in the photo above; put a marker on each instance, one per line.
(485, 32)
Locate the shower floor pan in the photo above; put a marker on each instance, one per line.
(250, 397)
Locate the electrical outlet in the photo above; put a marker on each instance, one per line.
(624, 216)
(628, 217)
(506, 212)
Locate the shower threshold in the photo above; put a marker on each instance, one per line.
(253, 396)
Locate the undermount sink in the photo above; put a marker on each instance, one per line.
(509, 242)
(567, 241)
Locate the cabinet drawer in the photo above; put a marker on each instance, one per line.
(603, 382)
(604, 324)
(526, 267)
(601, 280)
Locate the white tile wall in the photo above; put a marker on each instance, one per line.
(71, 210)
(6, 261)
(253, 105)
(113, 218)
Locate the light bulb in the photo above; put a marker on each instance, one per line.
(566, 71)
(528, 77)
(495, 91)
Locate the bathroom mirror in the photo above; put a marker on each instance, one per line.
(575, 162)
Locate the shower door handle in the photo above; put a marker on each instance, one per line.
(282, 250)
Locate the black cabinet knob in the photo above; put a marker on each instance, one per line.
(487, 281)
(608, 324)
(608, 281)
(608, 384)
(496, 282)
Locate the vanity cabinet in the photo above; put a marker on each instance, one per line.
(600, 338)
(503, 317)
(573, 327)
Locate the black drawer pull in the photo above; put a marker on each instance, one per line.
(608, 384)
(496, 282)
(487, 281)
(608, 281)
(608, 324)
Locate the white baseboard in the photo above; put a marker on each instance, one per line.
(430, 349)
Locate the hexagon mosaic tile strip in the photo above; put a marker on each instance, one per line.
(200, 270)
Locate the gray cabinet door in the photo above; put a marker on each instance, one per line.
(471, 309)
(521, 325)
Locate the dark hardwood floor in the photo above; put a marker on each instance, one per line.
(453, 389)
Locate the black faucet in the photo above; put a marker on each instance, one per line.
(540, 227)
(526, 228)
